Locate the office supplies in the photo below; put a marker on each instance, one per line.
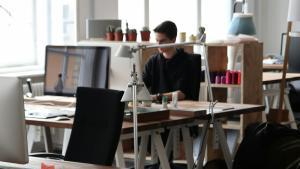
(147, 114)
(68, 67)
(33, 111)
(13, 141)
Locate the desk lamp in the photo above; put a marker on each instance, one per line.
(293, 16)
(136, 89)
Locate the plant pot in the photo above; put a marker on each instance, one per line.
(132, 36)
(118, 36)
(110, 36)
(145, 35)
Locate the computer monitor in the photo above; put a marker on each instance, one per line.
(68, 67)
(13, 140)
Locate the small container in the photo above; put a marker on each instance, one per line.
(239, 77)
(174, 99)
(218, 79)
(228, 77)
(165, 102)
(234, 77)
(223, 80)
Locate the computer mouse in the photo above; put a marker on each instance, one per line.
(60, 118)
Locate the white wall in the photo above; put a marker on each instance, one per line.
(94, 9)
(271, 22)
(269, 17)
(106, 9)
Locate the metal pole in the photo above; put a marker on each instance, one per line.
(135, 128)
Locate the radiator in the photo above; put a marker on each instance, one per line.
(37, 89)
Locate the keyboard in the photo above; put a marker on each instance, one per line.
(48, 112)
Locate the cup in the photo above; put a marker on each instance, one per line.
(182, 36)
(174, 99)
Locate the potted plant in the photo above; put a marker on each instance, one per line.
(132, 35)
(110, 32)
(118, 34)
(145, 34)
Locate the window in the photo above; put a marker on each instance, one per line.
(30, 26)
(182, 13)
(132, 11)
(215, 15)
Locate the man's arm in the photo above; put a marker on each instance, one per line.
(158, 97)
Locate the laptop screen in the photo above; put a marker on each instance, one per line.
(68, 67)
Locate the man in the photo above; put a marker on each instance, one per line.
(171, 69)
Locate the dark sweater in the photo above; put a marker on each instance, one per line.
(167, 75)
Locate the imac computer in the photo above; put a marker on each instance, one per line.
(13, 139)
(67, 67)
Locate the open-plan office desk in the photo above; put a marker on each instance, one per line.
(182, 121)
(35, 163)
(271, 81)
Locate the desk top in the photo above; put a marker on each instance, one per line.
(35, 163)
(275, 77)
(182, 116)
(272, 67)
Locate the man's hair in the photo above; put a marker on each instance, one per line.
(168, 28)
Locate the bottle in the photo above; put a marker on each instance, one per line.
(174, 99)
(165, 102)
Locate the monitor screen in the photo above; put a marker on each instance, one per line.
(68, 67)
(13, 139)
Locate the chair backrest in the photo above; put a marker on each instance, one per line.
(97, 126)
(196, 61)
(294, 55)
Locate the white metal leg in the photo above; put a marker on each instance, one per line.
(119, 156)
(31, 133)
(176, 141)
(202, 146)
(47, 139)
(188, 146)
(160, 150)
(169, 143)
(143, 151)
(223, 143)
(67, 134)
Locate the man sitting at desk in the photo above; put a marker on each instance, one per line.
(171, 69)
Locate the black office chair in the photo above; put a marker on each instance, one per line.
(198, 75)
(294, 67)
(97, 126)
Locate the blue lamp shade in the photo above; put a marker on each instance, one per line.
(242, 24)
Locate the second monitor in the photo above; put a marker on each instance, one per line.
(68, 67)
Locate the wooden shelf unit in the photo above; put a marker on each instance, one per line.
(251, 76)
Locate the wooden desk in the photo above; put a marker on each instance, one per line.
(272, 67)
(275, 77)
(185, 108)
(271, 80)
(35, 163)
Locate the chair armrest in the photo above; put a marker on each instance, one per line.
(48, 155)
